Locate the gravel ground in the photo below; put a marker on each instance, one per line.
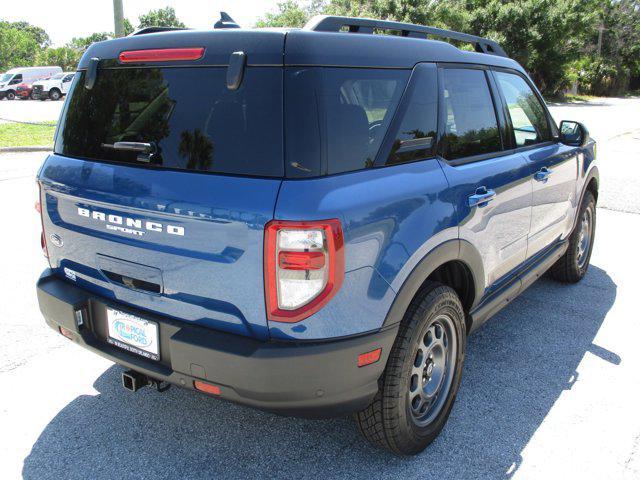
(550, 385)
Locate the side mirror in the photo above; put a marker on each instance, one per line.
(573, 133)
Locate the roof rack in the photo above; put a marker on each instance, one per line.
(328, 23)
(146, 30)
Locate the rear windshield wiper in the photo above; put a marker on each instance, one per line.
(145, 150)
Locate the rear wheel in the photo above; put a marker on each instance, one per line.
(33, 95)
(55, 94)
(422, 377)
(573, 265)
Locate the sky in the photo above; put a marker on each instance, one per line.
(66, 19)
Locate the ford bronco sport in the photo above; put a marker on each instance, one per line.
(308, 221)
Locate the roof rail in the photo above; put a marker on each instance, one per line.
(328, 23)
(146, 30)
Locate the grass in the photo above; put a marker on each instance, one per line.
(26, 135)
(571, 98)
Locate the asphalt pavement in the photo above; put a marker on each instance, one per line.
(550, 388)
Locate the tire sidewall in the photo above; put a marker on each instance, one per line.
(54, 94)
(588, 202)
(446, 302)
(11, 95)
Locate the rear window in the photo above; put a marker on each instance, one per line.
(189, 115)
(336, 118)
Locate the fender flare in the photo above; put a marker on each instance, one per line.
(451, 250)
(592, 173)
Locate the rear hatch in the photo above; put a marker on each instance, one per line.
(177, 227)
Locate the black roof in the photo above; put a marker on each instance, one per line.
(305, 47)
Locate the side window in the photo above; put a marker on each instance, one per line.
(15, 80)
(414, 138)
(68, 78)
(528, 117)
(471, 127)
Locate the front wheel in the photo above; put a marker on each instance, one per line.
(11, 95)
(55, 94)
(422, 376)
(573, 265)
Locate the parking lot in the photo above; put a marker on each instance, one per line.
(550, 387)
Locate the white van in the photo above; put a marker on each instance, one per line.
(10, 80)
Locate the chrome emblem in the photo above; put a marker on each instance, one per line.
(56, 239)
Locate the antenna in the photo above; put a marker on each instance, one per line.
(226, 21)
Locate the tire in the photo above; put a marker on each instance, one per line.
(11, 95)
(432, 328)
(54, 94)
(32, 96)
(573, 265)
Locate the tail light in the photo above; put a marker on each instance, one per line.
(43, 239)
(161, 55)
(304, 267)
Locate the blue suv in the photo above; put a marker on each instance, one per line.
(308, 221)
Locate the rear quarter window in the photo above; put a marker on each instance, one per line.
(195, 122)
(336, 118)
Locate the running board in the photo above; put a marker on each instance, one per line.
(498, 300)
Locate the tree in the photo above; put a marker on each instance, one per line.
(128, 27)
(291, 14)
(38, 34)
(18, 48)
(66, 58)
(162, 17)
(82, 43)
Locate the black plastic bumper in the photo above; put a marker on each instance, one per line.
(301, 379)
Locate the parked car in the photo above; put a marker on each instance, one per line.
(24, 91)
(318, 233)
(16, 76)
(53, 88)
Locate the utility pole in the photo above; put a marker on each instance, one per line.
(118, 18)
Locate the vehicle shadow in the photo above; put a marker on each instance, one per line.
(517, 367)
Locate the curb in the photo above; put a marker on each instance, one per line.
(40, 148)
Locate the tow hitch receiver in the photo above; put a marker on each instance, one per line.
(134, 381)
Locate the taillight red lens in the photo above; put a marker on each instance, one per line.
(161, 55)
(304, 267)
(301, 260)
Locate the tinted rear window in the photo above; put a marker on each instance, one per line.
(193, 120)
(471, 126)
(336, 118)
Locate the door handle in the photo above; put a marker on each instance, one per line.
(482, 197)
(542, 175)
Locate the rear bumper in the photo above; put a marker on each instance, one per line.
(301, 379)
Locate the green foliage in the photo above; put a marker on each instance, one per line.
(291, 14)
(17, 47)
(38, 34)
(162, 17)
(128, 27)
(65, 57)
(82, 43)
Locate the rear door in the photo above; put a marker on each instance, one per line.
(490, 184)
(175, 228)
(553, 166)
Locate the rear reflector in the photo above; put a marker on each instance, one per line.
(67, 333)
(206, 387)
(161, 55)
(369, 357)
